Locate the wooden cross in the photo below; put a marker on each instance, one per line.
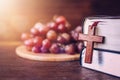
(90, 38)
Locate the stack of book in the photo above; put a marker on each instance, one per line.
(106, 57)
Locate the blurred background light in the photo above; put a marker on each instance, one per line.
(17, 16)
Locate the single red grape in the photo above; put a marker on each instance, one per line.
(68, 26)
(25, 36)
(62, 28)
(54, 48)
(52, 25)
(74, 35)
(51, 35)
(34, 31)
(61, 40)
(44, 49)
(43, 30)
(66, 36)
(38, 41)
(80, 46)
(38, 25)
(78, 29)
(70, 49)
(62, 50)
(60, 20)
(46, 43)
(29, 42)
(36, 49)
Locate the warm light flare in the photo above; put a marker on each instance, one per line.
(6, 4)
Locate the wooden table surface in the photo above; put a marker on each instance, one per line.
(13, 67)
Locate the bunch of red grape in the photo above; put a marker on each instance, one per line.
(54, 37)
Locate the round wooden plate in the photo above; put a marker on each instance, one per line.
(22, 52)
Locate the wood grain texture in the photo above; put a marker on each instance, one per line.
(22, 52)
(14, 68)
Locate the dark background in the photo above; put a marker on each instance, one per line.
(17, 16)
